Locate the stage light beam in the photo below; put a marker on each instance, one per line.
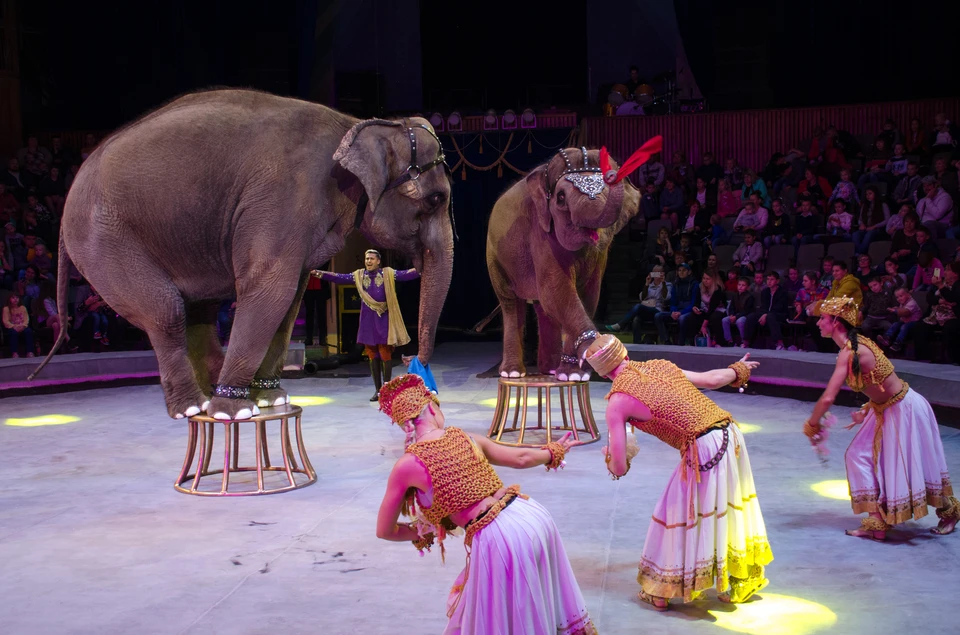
(310, 400)
(837, 489)
(492, 402)
(43, 420)
(747, 428)
(773, 614)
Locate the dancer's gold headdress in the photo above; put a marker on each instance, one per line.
(605, 354)
(843, 307)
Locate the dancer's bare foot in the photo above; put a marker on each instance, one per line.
(945, 527)
(870, 527)
(660, 604)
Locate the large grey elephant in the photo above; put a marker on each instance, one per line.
(237, 192)
(547, 241)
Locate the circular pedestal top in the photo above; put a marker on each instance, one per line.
(266, 414)
(538, 381)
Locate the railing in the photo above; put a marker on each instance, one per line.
(752, 136)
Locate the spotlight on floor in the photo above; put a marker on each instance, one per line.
(492, 402)
(44, 420)
(528, 119)
(838, 489)
(454, 122)
(772, 614)
(309, 400)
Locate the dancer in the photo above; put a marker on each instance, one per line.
(707, 527)
(381, 325)
(517, 578)
(895, 463)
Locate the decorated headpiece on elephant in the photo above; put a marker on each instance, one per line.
(547, 242)
(235, 192)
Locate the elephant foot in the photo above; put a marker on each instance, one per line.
(271, 397)
(512, 370)
(186, 406)
(224, 409)
(569, 372)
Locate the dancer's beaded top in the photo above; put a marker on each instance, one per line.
(880, 372)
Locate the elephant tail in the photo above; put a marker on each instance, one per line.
(63, 284)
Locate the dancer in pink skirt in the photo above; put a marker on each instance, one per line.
(895, 463)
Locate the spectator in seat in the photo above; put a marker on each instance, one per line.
(741, 308)
(35, 161)
(814, 188)
(877, 302)
(710, 172)
(895, 222)
(903, 245)
(28, 287)
(792, 173)
(777, 231)
(43, 261)
(840, 222)
(16, 324)
(733, 278)
(935, 208)
(727, 202)
(844, 283)
(947, 179)
(16, 181)
(681, 303)
(91, 305)
(865, 269)
(890, 134)
(696, 221)
(653, 170)
(757, 286)
(751, 217)
(792, 283)
(897, 164)
(709, 300)
(806, 305)
(9, 206)
(772, 312)
(733, 173)
(871, 221)
(907, 314)
(662, 248)
(875, 163)
(928, 267)
(16, 248)
(654, 298)
(805, 225)
(826, 278)
(916, 139)
(89, 145)
(53, 191)
(892, 279)
(752, 184)
(712, 267)
(49, 314)
(706, 197)
(716, 236)
(672, 202)
(45, 221)
(905, 193)
(60, 157)
(748, 256)
(71, 175)
(944, 137)
(6, 268)
(683, 173)
(942, 298)
(650, 202)
(845, 190)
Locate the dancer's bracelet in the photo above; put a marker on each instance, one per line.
(557, 452)
(424, 542)
(743, 375)
(612, 475)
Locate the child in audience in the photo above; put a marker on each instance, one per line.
(907, 314)
(875, 308)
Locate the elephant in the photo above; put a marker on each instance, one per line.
(547, 240)
(242, 193)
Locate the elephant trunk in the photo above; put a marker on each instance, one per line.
(587, 215)
(435, 273)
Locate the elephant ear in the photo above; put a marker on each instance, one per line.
(365, 154)
(536, 197)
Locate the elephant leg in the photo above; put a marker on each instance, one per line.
(203, 345)
(272, 366)
(154, 305)
(550, 345)
(514, 319)
(261, 308)
(568, 310)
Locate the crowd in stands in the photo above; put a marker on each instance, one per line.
(740, 257)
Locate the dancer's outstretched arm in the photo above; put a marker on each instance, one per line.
(519, 458)
(621, 408)
(719, 377)
(407, 473)
(833, 388)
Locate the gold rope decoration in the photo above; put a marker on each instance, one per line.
(501, 160)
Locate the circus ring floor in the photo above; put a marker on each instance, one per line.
(94, 539)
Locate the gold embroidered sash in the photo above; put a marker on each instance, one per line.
(878, 409)
(396, 332)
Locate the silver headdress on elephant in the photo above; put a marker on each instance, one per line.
(588, 179)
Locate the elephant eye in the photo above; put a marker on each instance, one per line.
(436, 199)
(561, 198)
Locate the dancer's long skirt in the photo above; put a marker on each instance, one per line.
(707, 533)
(518, 580)
(902, 470)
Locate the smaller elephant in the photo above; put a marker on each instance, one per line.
(547, 241)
